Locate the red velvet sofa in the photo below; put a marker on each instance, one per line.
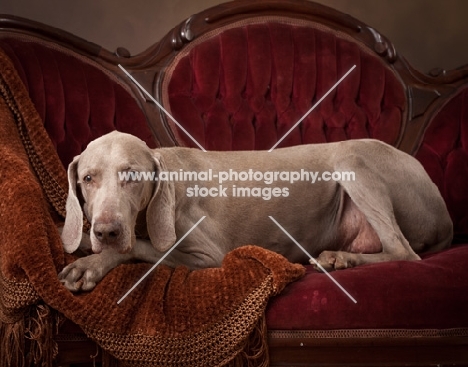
(238, 76)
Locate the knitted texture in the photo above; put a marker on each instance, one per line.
(210, 317)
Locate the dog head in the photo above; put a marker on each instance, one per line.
(112, 182)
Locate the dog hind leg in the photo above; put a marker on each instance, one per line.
(370, 195)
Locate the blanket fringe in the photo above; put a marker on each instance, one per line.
(41, 328)
(30, 340)
(255, 349)
(12, 344)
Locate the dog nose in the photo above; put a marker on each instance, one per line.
(107, 232)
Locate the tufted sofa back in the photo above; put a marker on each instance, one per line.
(244, 85)
(77, 99)
(444, 155)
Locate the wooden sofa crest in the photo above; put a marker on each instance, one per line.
(237, 77)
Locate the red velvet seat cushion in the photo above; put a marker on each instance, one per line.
(75, 98)
(432, 293)
(244, 86)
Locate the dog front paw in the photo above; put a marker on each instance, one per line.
(83, 274)
(332, 260)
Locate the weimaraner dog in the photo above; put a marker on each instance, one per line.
(389, 209)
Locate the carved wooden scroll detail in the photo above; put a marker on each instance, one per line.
(182, 35)
(382, 46)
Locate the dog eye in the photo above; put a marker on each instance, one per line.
(87, 179)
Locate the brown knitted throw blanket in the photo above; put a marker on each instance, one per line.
(211, 317)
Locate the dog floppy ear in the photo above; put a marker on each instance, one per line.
(73, 228)
(160, 214)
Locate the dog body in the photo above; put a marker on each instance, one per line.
(390, 211)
